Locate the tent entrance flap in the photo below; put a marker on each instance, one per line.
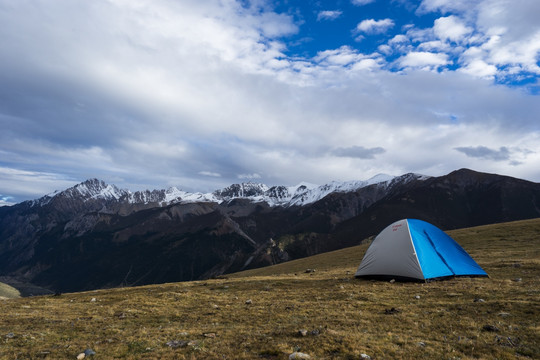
(438, 253)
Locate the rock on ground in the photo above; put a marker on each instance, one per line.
(299, 355)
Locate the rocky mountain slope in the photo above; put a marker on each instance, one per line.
(95, 235)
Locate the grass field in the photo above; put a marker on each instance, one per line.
(258, 314)
(8, 292)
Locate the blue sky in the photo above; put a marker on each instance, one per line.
(332, 24)
(201, 94)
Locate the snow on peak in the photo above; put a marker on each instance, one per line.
(243, 190)
(380, 178)
(94, 189)
(172, 194)
(316, 193)
(301, 194)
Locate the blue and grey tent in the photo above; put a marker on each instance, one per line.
(412, 249)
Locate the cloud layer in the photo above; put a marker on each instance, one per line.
(201, 94)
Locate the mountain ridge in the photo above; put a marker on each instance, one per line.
(302, 194)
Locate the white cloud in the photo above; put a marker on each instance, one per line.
(359, 152)
(249, 176)
(344, 56)
(444, 6)
(148, 93)
(479, 68)
(524, 53)
(361, 2)
(398, 44)
(434, 46)
(398, 39)
(385, 49)
(484, 152)
(209, 173)
(29, 183)
(328, 15)
(371, 26)
(359, 38)
(507, 33)
(420, 35)
(6, 201)
(422, 59)
(451, 28)
(366, 64)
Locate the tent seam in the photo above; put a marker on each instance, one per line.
(438, 253)
(414, 248)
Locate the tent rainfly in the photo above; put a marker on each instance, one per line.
(411, 249)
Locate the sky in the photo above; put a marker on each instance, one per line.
(148, 94)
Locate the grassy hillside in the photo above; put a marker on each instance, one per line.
(259, 313)
(8, 292)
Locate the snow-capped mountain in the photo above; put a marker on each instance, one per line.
(298, 195)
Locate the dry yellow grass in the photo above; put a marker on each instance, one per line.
(8, 292)
(344, 317)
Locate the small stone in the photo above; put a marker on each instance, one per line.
(177, 343)
(10, 335)
(248, 302)
(512, 341)
(89, 352)
(516, 280)
(490, 328)
(503, 314)
(209, 335)
(299, 355)
(392, 281)
(421, 344)
(215, 306)
(183, 333)
(417, 297)
(479, 300)
(120, 315)
(81, 356)
(365, 356)
(315, 332)
(302, 332)
(93, 300)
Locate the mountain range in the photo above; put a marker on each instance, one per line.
(301, 194)
(95, 235)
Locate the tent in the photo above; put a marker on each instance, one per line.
(412, 249)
